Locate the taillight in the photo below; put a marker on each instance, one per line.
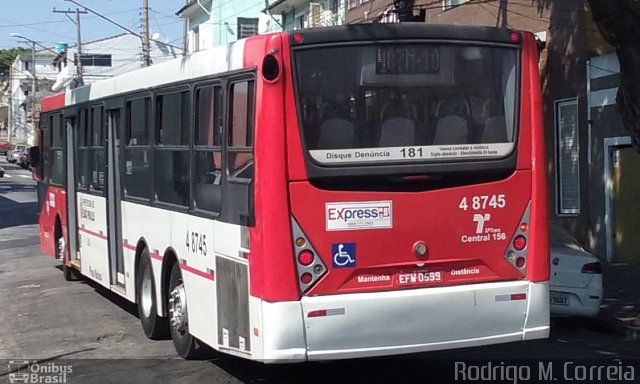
(592, 268)
(309, 266)
(520, 242)
(305, 257)
(516, 254)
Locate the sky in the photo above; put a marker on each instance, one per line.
(36, 20)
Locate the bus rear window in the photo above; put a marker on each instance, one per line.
(407, 102)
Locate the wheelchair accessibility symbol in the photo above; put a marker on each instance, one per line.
(344, 255)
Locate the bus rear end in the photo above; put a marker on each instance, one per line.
(416, 187)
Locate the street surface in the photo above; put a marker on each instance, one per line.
(96, 333)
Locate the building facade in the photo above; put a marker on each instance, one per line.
(23, 107)
(211, 23)
(108, 57)
(590, 162)
(56, 70)
(297, 14)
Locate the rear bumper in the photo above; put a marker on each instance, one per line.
(583, 301)
(400, 322)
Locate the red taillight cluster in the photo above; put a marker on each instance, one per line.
(592, 268)
(309, 266)
(516, 254)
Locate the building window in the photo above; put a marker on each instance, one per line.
(195, 36)
(352, 4)
(301, 21)
(567, 157)
(95, 60)
(247, 27)
(446, 4)
(334, 6)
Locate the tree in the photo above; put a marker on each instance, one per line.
(6, 59)
(619, 23)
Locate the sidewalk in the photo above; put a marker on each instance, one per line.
(620, 310)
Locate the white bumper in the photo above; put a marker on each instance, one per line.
(407, 321)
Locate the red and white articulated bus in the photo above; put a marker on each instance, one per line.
(343, 192)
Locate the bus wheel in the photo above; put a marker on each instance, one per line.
(187, 346)
(155, 327)
(69, 273)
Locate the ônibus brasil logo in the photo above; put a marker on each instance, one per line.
(25, 371)
(358, 215)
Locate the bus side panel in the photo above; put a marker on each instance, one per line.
(94, 240)
(295, 158)
(270, 240)
(538, 268)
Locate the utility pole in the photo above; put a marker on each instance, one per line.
(33, 92)
(146, 55)
(78, 62)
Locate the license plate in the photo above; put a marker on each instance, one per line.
(418, 278)
(559, 300)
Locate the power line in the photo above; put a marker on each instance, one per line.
(117, 24)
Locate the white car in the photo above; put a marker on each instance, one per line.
(576, 276)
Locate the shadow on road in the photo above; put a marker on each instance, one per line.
(370, 370)
(114, 298)
(13, 214)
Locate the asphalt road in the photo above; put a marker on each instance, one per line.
(94, 336)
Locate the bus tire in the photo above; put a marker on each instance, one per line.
(187, 346)
(69, 273)
(155, 327)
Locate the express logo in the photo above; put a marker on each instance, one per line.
(358, 215)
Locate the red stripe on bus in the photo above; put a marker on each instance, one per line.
(128, 246)
(206, 275)
(99, 235)
(156, 255)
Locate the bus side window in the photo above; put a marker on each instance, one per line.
(171, 153)
(240, 139)
(208, 149)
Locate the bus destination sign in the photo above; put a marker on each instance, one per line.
(407, 60)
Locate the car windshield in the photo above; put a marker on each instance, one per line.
(559, 237)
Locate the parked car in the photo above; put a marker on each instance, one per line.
(576, 276)
(4, 147)
(23, 159)
(14, 153)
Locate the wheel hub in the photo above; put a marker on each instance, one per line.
(146, 296)
(61, 250)
(178, 308)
